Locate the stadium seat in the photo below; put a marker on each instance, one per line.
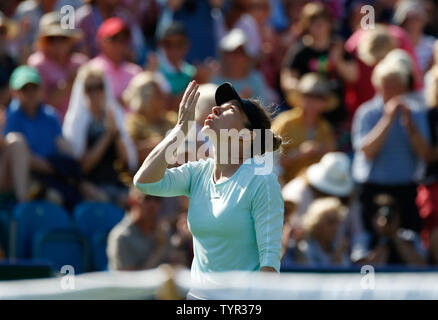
(33, 217)
(95, 220)
(62, 246)
(99, 259)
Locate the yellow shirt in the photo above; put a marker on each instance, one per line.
(290, 126)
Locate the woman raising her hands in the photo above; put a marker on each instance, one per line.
(235, 213)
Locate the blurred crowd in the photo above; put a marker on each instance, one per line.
(353, 93)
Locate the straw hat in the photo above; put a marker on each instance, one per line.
(315, 85)
(331, 174)
(50, 26)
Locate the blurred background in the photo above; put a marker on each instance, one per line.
(86, 94)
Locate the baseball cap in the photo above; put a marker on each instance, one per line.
(23, 75)
(226, 92)
(110, 27)
(234, 39)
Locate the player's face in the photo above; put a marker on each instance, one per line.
(227, 116)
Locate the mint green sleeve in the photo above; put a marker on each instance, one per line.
(175, 182)
(267, 209)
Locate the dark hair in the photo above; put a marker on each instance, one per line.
(259, 118)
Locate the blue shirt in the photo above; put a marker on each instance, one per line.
(236, 224)
(254, 81)
(40, 131)
(396, 163)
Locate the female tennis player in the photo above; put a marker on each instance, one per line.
(235, 215)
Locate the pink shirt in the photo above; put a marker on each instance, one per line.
(54, 75)
(117, 76)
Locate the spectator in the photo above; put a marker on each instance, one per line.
(149, 120)
(113, 38)
(270, 56)
(50, 154)
(321, 224)
(197, 17)
(174, 45)
(139, 241)
(388, 146)
(389, 243)
(411, 16)
(92, 15)
(28, 15)
(235, 15)
(7, 62)
(14, 166)
(55, 60)
(368, 47)
(236, 68)
(94, 125)
(330, 177)
(306, 134)
(319, 52)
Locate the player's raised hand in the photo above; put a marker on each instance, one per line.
(188, 103)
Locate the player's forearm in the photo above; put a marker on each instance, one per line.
(155, 164)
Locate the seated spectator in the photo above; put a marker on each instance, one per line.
(317, 249)
(55, 60)
(7, 61)
(50, 154)
(330, 177)
(236, 68)
(14, 166)
(412, 17)
(94, 125)
(196, 16)
(27, 15)
(270, 59)
(235, 15)
(113, 38)
(388, 138)
(92, 14)
(181, 240)
(173, 48)
(149, 120)
(139, 241)
(390, 243)
(319, 51)
(306, 134)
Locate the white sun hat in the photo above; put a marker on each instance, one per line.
(331, 174)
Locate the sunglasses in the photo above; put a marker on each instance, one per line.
(94, 87)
